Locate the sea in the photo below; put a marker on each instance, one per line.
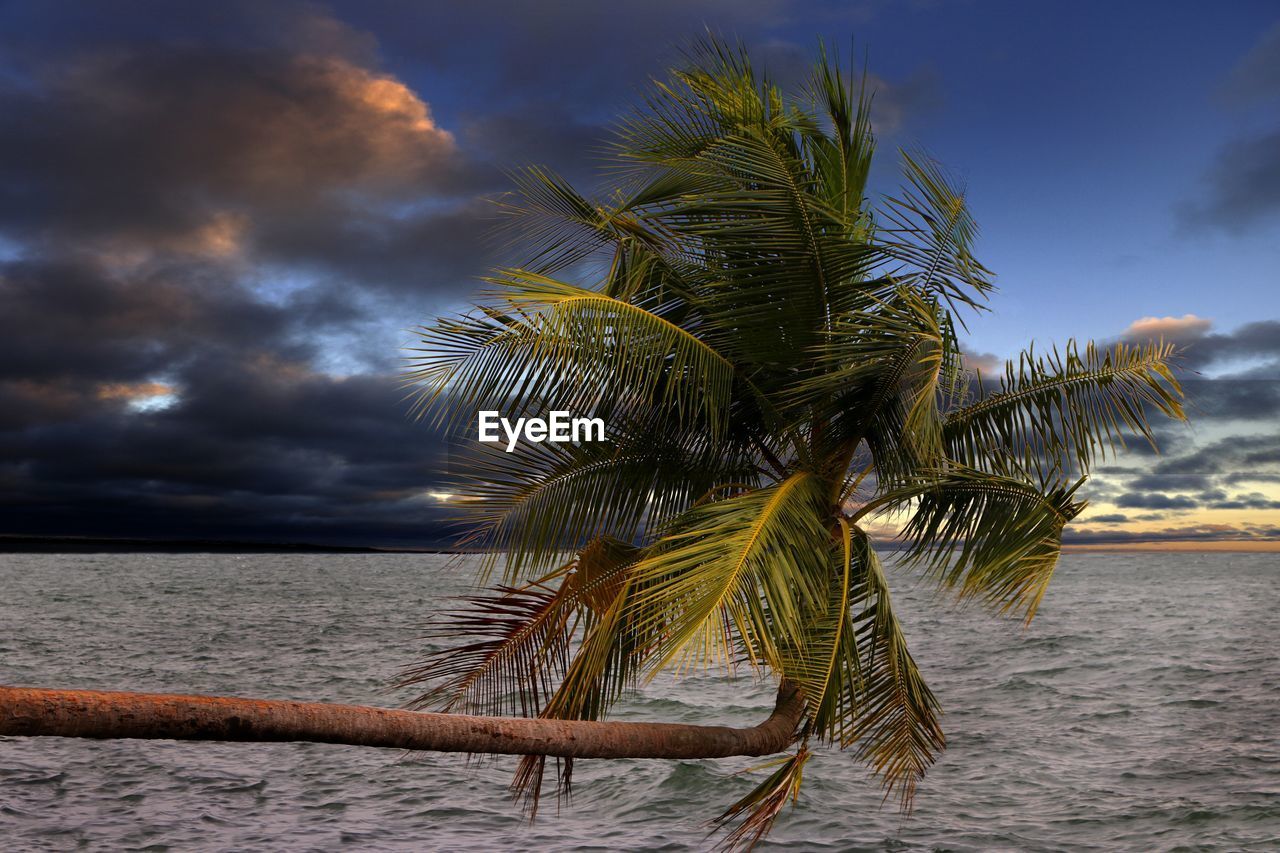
(1139, 711)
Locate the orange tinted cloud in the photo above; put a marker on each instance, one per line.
(1168, 328)
(133, 391)
(986, 363)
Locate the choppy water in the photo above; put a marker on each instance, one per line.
(1141, 711)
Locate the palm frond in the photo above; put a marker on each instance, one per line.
(842, 157)
(590, 340)
(896, 725)
(989, 536)
(880, 380)
(1069, 406)
(825, 664)
(515, 652)
(556, 224)
(606, 663)
(736, 574)
(930, 229)
(757, 811)
(529, 507)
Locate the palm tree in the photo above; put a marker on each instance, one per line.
(777, 362)
(778, 365)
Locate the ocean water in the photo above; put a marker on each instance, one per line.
(1140, 711)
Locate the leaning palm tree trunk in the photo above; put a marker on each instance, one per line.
(32, 711)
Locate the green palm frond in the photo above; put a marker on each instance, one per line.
(605, 347)
(737, 574)
(930, 229)
(993, 537)
(716, 93)
(529, 507)
(825, 663)
(882, 370)
(757, 811)
(517, 652)
(842, 158)
(895, 726)
(557, 225)
(1069, 406)
(607, 661)
(861, 685)
(557, 346)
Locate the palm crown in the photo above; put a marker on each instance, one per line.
(777, 363)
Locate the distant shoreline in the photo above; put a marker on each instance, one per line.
(1261, 546)
(15, 544)
(109, 545)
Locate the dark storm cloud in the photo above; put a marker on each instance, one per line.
(545, 132)
(260, 449)
(1253, 500)
(1233, 398)
(210, 216)
(1241, 188)
(193, 232)
(1207, 478)
(436, 253)
(1259, 340)
(1153, 500)
(1199, 348)
(194, 410)
(1257, 76)
(1237, 477)
(299, 157)
(1223, 456)
(142, 322)
(1250, 391)
(1164, 482)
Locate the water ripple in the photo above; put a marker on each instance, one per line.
(1138, 712)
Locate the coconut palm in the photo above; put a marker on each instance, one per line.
(777, 362)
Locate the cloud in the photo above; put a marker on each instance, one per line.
(1256, 77)
(144, 147)
(1252, 500)
(1240, 190)
(1183, 328)
(1206, 478)
(196, 231)
(1257, 342)
(1237, 477)
(215, 224)
(193, 394)
(215, 221)
(989, 364)
(1109, 518)
(1246, 362)
(1152, 500)
(1168, 481)
(280, 465)
(1182, 533)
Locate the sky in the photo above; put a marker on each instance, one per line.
(219, 223)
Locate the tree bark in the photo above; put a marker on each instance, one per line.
(30, 711)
